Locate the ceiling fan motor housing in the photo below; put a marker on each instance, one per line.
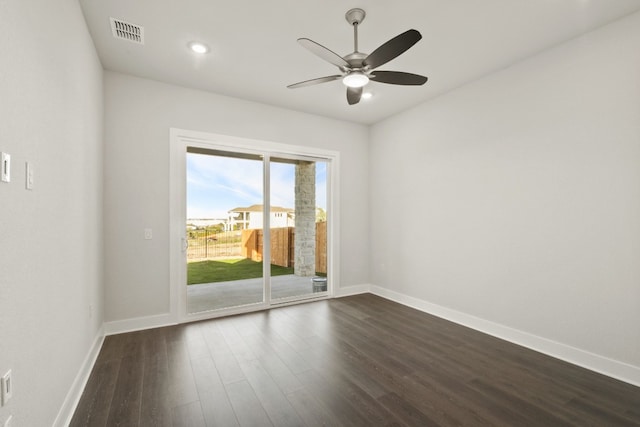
(355, 59)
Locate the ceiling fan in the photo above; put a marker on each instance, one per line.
(357, 68)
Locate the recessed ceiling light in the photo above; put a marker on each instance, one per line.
(198, 47)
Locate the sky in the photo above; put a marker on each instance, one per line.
(215, 185)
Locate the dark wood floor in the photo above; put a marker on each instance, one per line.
(353, 361)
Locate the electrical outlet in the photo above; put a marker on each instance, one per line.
(7, 387)
(148, 234)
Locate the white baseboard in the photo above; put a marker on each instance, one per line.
(352, 290)
(594, 362)
(75, 392)
(139, 323)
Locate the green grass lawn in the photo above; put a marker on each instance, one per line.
(229, 269)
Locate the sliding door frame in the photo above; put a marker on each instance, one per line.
(180, 140)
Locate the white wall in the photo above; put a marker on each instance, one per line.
(516, 198)
(276, 220)
(51, 237)
(138, 116)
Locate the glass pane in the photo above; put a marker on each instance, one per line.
(298, 219)
(224, 225)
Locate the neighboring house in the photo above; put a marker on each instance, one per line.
(251, 218)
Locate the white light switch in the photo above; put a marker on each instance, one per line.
(29, 176)
(148, 234)
(5, 167)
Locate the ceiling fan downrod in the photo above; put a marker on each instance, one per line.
(355, 17)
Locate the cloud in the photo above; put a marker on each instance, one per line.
(218, 184)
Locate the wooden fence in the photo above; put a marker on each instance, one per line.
(282, 246)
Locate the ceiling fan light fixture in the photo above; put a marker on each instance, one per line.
(355, 79)
(198, 47)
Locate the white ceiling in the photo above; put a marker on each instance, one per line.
(254, 54)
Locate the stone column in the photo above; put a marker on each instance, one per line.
(305, 207)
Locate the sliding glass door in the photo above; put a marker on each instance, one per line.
(256, 229)
(298, 228)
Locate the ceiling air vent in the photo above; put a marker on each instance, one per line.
(127, 31)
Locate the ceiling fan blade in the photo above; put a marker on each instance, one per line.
(398, 78)
(392, 49)
(324, 53)
(314, 81)
(354, 94)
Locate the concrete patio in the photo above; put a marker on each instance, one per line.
(214, 296)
